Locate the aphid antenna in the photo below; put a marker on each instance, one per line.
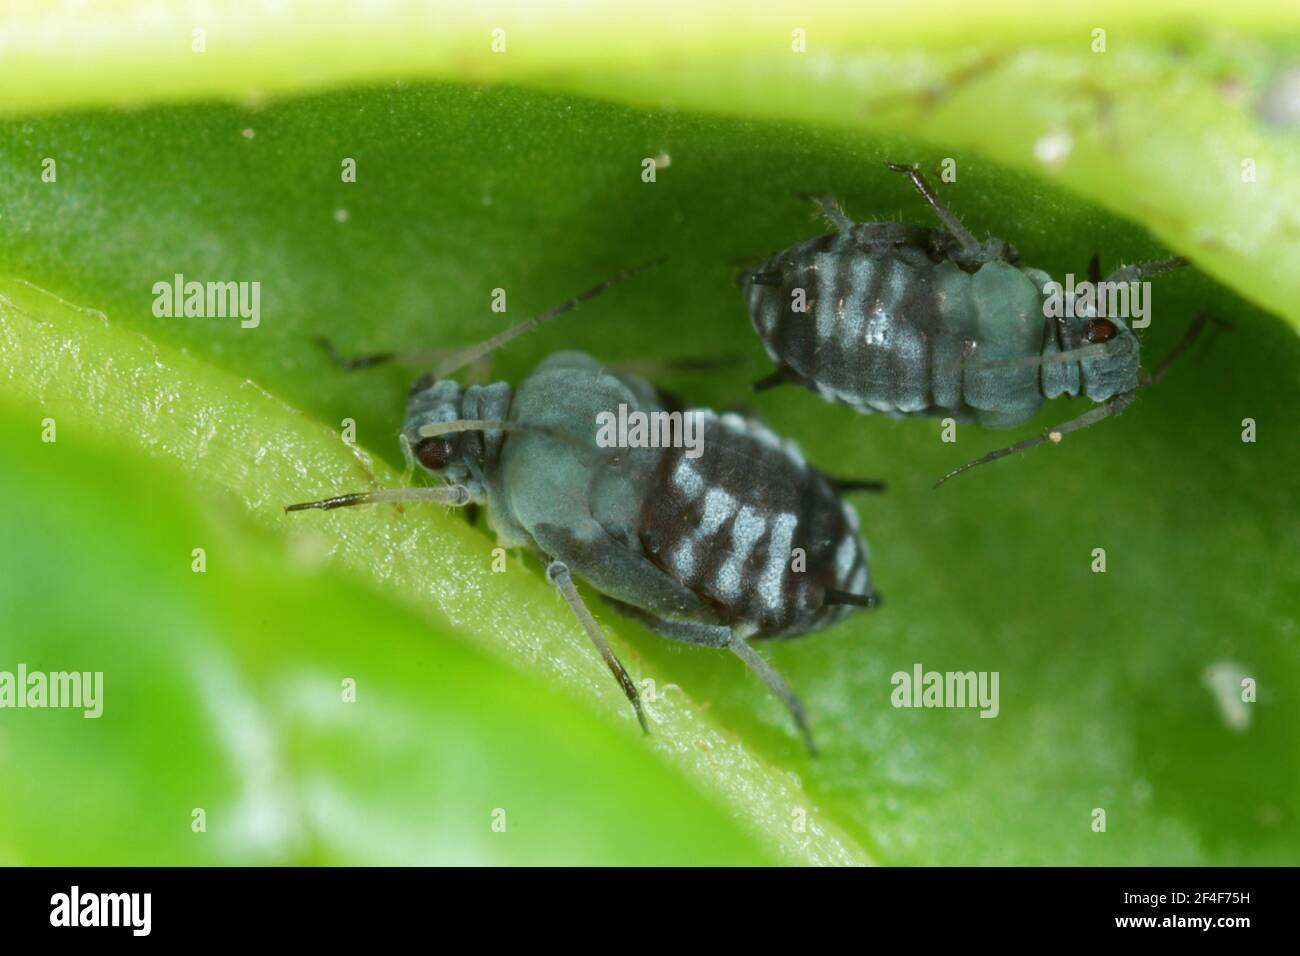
(452, 360)
(434, 429)
(1091, 417)
(463, 357)
(456, 496)
(1054, 434)
(1179, 350)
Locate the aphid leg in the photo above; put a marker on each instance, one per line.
(869, 601)
(1094, 268)
(688, 632)
(558, 573)
(769, 277)
(847, 485)
(654, 368)
(1144, 270)
(609, 566)
(1179, 350)
(744, 268)
(716, 635)
(832, 211)
(1054, 435)
(763, 669)
(351, 363)
(950, 222)
(457, 496)
(778, 377)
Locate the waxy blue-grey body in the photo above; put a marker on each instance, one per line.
(730, 536)
(746, 537)
(897, 321)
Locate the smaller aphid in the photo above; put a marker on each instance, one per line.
(912, 321)
(744, 540)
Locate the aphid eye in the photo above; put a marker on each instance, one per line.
(1100, 330)
(433, 453)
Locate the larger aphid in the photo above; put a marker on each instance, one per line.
(744, 541)
(911, 321)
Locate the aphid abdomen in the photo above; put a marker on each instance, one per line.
(753, 530)
(874, 320)
(576, 500)
(890, 333)
(782, 309)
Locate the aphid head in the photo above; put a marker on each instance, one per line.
(452, 457)
(1108, 355)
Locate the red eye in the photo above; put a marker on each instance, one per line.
(1100, 330)
(433, 453)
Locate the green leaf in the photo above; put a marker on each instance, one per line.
(461, 190)
(1151, 110)
(227, 683)
(309, 719)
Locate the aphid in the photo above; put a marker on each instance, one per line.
(742, 542)
(912, 321)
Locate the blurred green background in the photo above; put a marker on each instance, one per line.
(476, 692)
